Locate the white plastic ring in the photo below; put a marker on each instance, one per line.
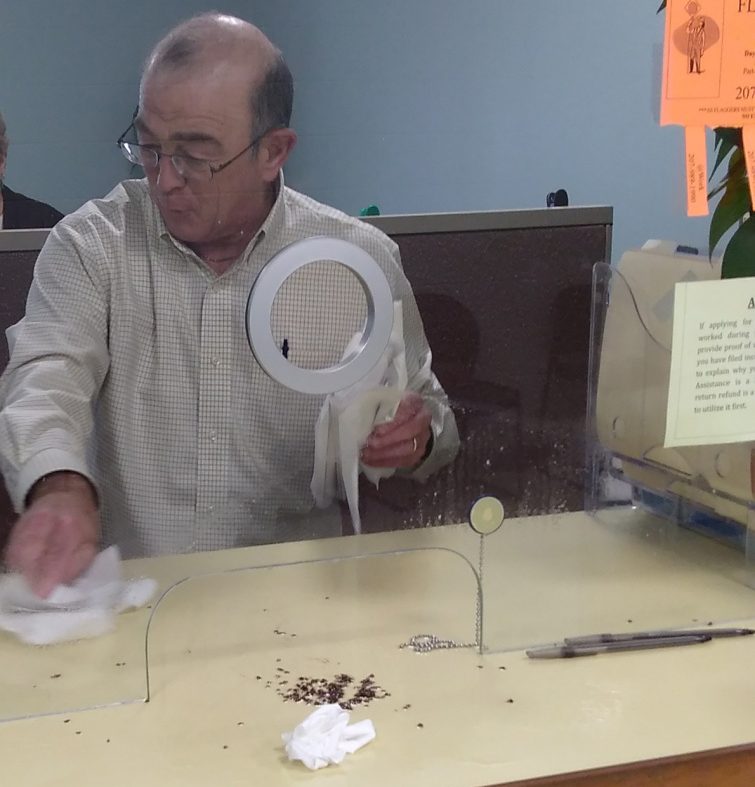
(377, 329)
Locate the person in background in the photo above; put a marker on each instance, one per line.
(133, 412)
(18, 212)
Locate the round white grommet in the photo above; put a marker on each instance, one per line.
(377, 328)
(487, 515)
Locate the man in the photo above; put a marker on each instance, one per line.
(133, 343)
(17, 211)
(695, 43)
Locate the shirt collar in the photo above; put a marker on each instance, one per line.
(274, 221)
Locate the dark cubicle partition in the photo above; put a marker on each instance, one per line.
(18, 251)
(505, 298)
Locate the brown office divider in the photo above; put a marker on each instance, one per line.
(18, 252)
(505, 299)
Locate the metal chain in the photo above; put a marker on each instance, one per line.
(424, 643)
(478, 610)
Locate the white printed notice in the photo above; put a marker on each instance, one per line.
(712, 384)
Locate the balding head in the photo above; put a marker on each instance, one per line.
(218, 42)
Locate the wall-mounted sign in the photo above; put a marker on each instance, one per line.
(709, 80)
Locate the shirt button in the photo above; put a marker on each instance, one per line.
(210, 508)
(213, 436)
(215, 362)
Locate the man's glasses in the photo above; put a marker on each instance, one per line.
(188, 167)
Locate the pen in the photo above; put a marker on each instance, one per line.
(570, 651)
(599, 639)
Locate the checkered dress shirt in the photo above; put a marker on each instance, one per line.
(133, 368)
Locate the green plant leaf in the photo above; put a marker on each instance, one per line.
(736, 166)
(726, 140)
(736, 173)
(734, 204)
(723, 151)
(724, 133)
(739, 257)
(737, 182)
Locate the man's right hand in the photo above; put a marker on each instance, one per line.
(56, 538)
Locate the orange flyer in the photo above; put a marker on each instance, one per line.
(708, 76)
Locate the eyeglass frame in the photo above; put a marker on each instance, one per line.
(158, 155)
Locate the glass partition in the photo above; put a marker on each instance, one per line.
(323, 625)
(651, 549)
(681, 519)
(329, 596)
(70, 676)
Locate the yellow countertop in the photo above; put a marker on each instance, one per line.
(225, 647)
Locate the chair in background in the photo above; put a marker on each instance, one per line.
(488, 416)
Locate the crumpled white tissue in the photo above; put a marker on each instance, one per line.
(85, 608)
(325, 737)
(347, 417)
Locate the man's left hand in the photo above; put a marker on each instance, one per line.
(402, 441)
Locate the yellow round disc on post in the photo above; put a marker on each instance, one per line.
(486, 516)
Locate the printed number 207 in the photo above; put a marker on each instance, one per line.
(745, 93)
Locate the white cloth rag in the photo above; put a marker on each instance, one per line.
(85, 608)
(347, 417)
(325, 737)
